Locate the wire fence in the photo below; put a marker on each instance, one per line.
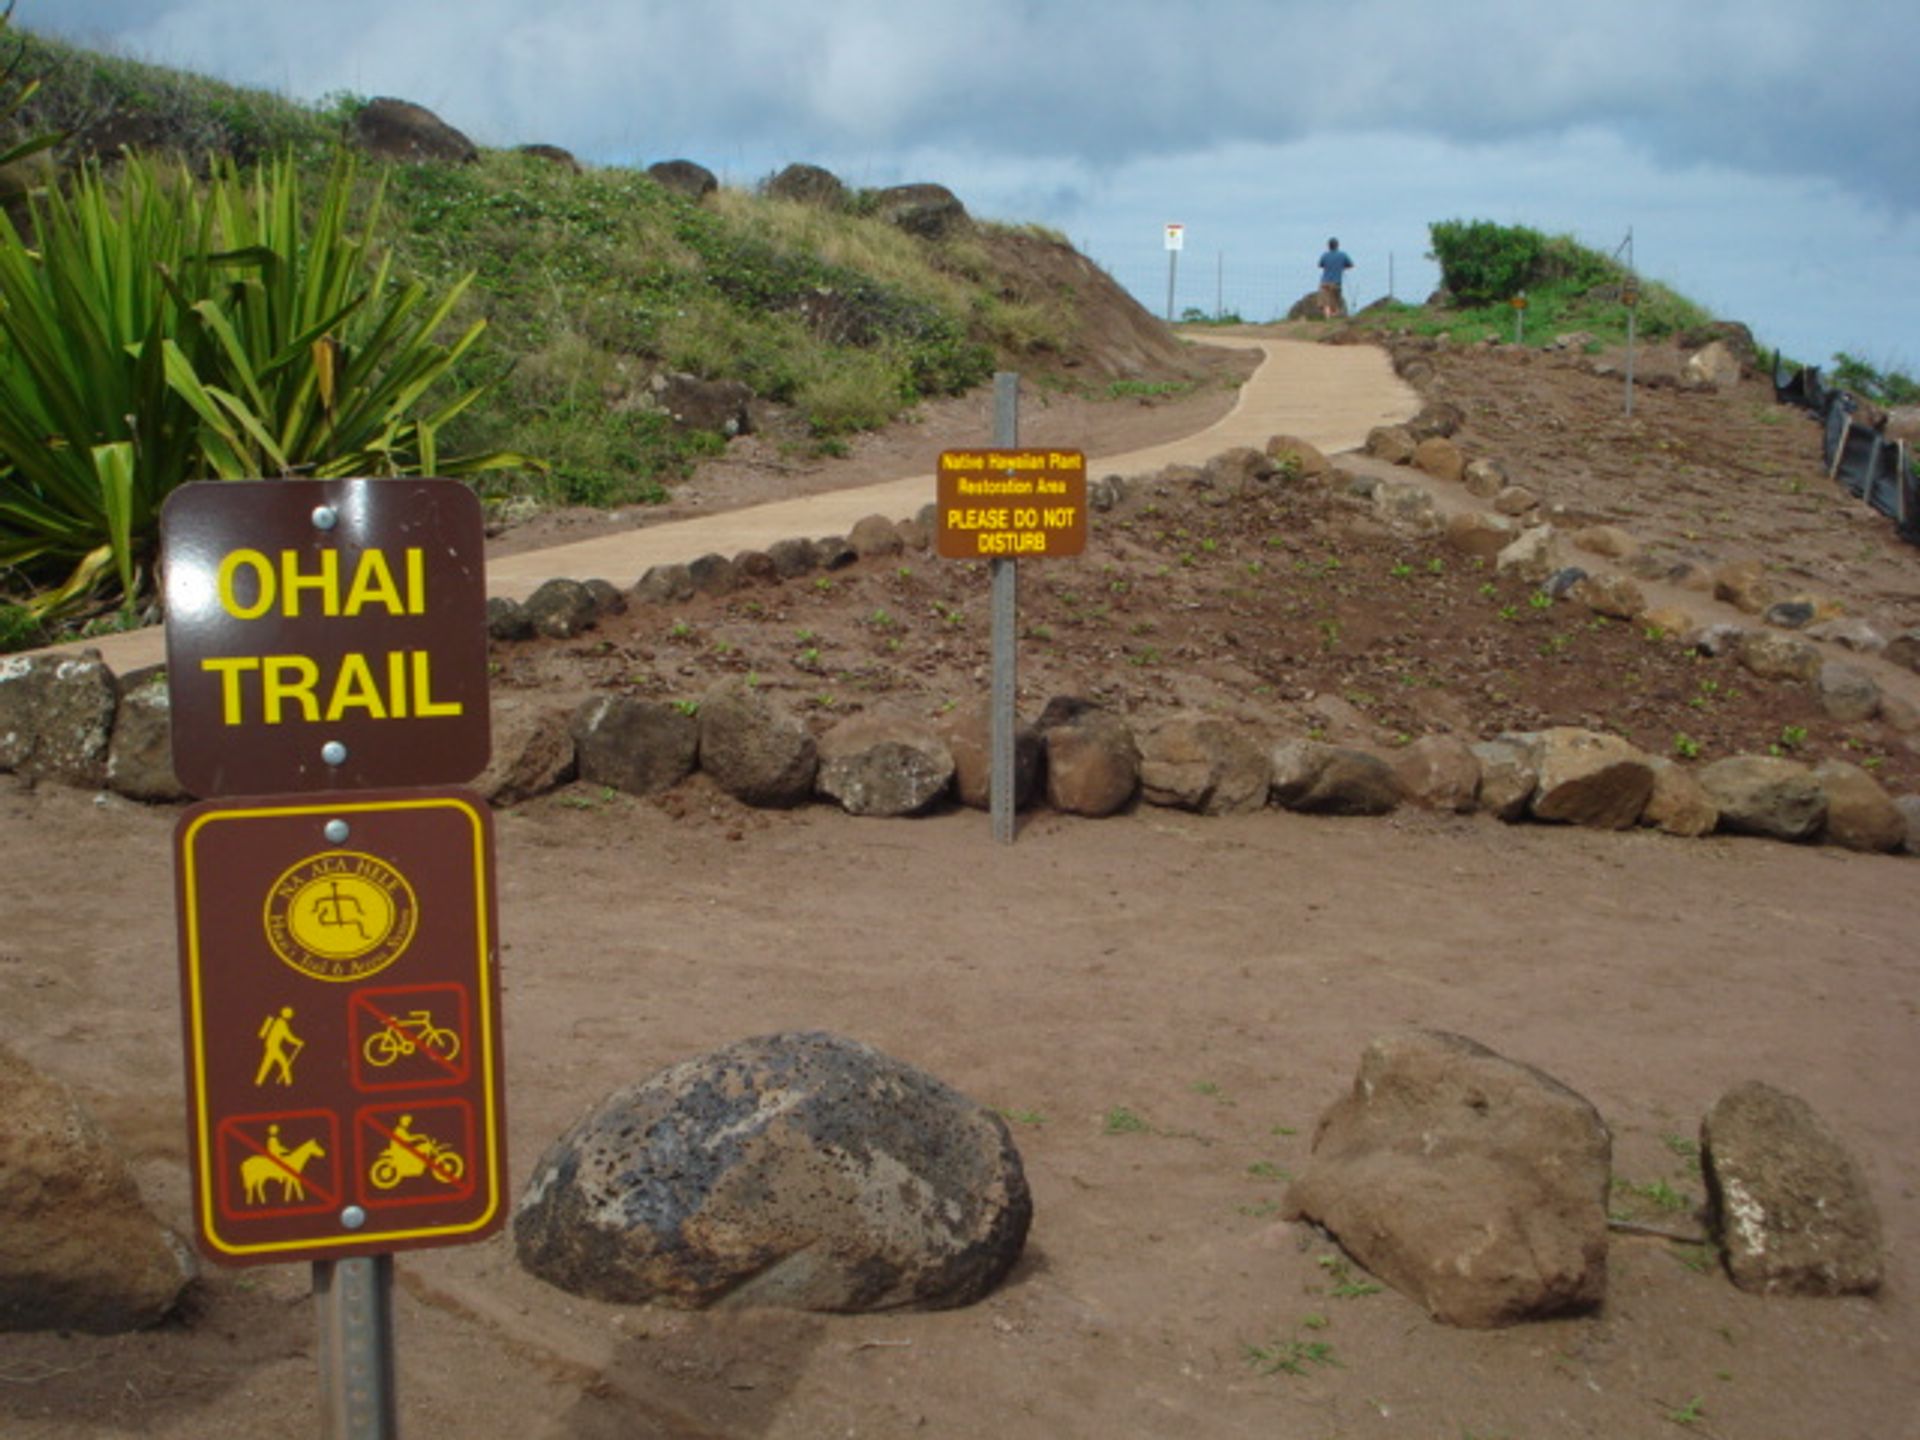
(1215, 284)
(1219, 282)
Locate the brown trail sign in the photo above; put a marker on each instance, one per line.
(341, 1009)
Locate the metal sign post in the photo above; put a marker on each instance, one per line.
(1176, 237)
(355, 1303)
(997, 504)
(1519, 317)
(1630, 297)
(339, 948)
(1006, 584)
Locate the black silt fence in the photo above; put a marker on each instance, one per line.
(1859, 456)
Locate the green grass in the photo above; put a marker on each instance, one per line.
(1291, 1357)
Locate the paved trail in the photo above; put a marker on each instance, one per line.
(1330, 395)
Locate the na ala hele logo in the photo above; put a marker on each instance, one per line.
(341, 915)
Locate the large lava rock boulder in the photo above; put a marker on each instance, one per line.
(533, 749)
(1786, 1198)
(1092, 758)
(885, 765)
(639, 746)
(1316, 778)
(1765, 795)
(399, 130)
(802, 1170)
(932, 212)
(140, 755)
(56, 716)
(717, 407)
(561, 609)
(1470, 1182)
(1589, 778)
(1205, 764)
(78, 1248)
(969, 737)
(686, 178)
(753, 750)
(809, 185)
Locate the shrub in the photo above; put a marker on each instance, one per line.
(158, 333)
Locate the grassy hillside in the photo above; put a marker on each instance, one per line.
(591, 285)
(593, 282)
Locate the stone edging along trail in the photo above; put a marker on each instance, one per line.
(1335, 394)
(1328, 395)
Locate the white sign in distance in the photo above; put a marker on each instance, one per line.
(1176, 236)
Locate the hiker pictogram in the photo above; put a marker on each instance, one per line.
(279, 1048)
(410, 1154)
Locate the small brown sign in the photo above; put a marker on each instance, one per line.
(1011, 504)
(340, 997)
(325, 634)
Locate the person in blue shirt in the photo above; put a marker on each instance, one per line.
(1334, 264)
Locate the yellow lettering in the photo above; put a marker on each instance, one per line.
(229, 668)
(353, 689)
(262, 569)
(327, 582)
(397, 684)
(288, 677)
(424, 705)
(416, 581)
(372, 585)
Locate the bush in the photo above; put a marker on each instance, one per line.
(1883, 387)
(157, 332)
(1481, 262)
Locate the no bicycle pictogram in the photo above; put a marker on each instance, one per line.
(409, 1037)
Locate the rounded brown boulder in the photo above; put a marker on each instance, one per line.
(803, 1170)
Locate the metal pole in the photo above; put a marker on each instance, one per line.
(1006, 434)
(1173, 265)
(1389, 274)
(1219, 283)
(1630, 311)
(354, 1302)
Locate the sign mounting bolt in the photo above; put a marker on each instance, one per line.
(334, 753)
(336, 831)
(325, 517)
(353, 1217)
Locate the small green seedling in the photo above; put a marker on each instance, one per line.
(1122, 1121)
(1691, 1413)
(1346, 1285)
(1290, 1357)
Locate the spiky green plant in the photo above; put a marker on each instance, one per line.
(157, 331)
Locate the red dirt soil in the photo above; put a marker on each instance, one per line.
(1215, 979)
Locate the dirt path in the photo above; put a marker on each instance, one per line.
(1213, 979)
(1329, 395)
(1161, 1004)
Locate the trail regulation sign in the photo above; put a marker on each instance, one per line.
(341, 1011)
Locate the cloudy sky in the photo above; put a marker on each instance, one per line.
(1763, 156)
